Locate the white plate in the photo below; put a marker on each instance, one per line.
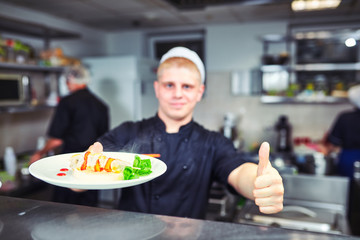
(47, 169)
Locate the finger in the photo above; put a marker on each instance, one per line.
(271, 178)
(96, 148)
(78, 190)
(269, 201)
(264, 152)
(261, 193)
(271, 209)
(276, 189)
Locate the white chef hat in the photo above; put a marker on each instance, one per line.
(188, 54)
(354, 95)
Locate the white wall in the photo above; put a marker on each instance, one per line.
(126, 43)
(237, 46)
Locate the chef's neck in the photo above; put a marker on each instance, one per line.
(73, 87)
(173, 125)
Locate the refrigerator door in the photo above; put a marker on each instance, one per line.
(118, 82)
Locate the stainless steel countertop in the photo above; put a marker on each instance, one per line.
(31, 219)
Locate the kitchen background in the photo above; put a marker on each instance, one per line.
(237, 42)
(229, 48)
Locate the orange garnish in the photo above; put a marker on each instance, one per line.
(108, 164)
(154, 155)
(97, 166)
(83, 166)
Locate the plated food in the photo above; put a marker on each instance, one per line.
(127, 169)
(99, 167)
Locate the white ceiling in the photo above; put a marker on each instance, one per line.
(115, 15)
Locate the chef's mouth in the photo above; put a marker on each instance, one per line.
(177, 105)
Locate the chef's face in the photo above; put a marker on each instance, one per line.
(70, 84)
(178, 89)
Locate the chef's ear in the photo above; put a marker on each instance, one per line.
(201, 92)
(156, 86)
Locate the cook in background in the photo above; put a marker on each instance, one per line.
(345, 134)
(195, 157)
(80, 118)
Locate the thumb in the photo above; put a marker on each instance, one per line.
(96, 148)
(264, 152)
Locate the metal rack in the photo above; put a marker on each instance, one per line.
(29, 29)
(293, 69)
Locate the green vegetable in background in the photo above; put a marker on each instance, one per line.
(19, 46)
(4, 177)
(2, 51)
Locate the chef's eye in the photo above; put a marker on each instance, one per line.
(169, 85)
(187, 86)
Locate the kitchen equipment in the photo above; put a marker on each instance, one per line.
(325, 50)
(313, 203)
(229, 129)
(14, 89)
(284, 138)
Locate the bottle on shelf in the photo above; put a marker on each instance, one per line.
(283, 128)
(10, 161)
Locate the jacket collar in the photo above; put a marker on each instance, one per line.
(183, 129)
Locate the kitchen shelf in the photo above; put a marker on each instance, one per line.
(275, 68)
(15, 26)
(316, 73)
(328, 67)
(308, 100)
(313, 67)
(28, 67)
(25, 108)
(39, 31)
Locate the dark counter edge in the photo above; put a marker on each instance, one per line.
(16, 213)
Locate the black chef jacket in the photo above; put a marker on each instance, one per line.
(345, 133)
(346, 130)
(80, 118)
(195, 157)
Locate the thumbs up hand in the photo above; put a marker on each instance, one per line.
(268, 187)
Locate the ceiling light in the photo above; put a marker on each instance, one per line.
(311, 5)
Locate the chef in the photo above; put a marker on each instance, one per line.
(195, 156)
(80, 118)
(345, 134)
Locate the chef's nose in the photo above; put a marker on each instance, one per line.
(178, 91)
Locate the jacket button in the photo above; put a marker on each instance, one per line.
(186, 140)
(157, 197)
(185, 167)
(159, 139)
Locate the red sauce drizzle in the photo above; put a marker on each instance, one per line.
(64, 170)
(61, 174)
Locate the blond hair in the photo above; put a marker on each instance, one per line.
(178, 62)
